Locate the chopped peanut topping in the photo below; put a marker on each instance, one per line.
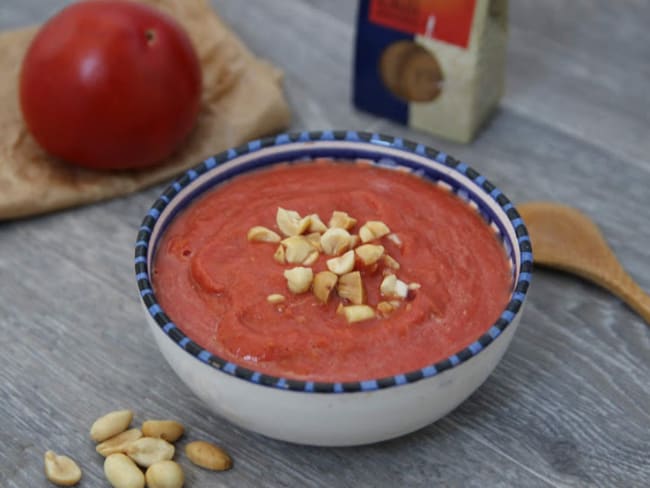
(311, 259)
(314, 240)
(299, 279)
(342, 264)
(290, 222)
(324, 283)
(385, 308)
(373, 229)
(369, 253)
(279, 254)
(307, 237)
(357, 313)
(275, 298)
(316, 224)
(298, 250)
(335, 241)
(341, 220)
(394, 238)
(392, 287)
(390, 262)
(354, 241)
(262, 234)
(351, 288)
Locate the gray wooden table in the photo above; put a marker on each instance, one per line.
(568, 406)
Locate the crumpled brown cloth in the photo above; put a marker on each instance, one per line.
(242, 100)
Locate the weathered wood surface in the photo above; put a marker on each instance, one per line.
(568, 406)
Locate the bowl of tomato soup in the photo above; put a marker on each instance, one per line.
(333, 288)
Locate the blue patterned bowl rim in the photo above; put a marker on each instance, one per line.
(381, 141)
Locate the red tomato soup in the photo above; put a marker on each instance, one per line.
(214, 282)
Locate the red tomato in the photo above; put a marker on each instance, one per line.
(110, 85)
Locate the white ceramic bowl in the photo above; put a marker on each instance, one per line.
(346, 413)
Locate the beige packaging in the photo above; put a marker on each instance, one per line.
(439, 69)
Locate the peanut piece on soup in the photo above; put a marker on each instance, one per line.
(350, 287)
(262, 234)
(335, 241)
(342, 220)
(342, 264)
(324, 283)
(393, 288)
(314, 240)
(299, 279)
(316, 224)
(385, 308)
(394, 238)
(390, 262)
(369, 253)
(298, 250)
(372, 230)
(358, 313)
(279, 255)
(290, 222)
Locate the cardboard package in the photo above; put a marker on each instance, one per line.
(434, 65)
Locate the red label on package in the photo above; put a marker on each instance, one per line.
(445, 20)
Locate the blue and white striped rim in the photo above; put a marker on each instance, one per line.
(371, 146)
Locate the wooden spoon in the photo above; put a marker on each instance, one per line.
(566, 239)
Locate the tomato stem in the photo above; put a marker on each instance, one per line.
(150, 34)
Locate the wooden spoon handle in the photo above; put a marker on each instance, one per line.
(621, 284)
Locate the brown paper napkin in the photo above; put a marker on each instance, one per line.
(242, 100)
